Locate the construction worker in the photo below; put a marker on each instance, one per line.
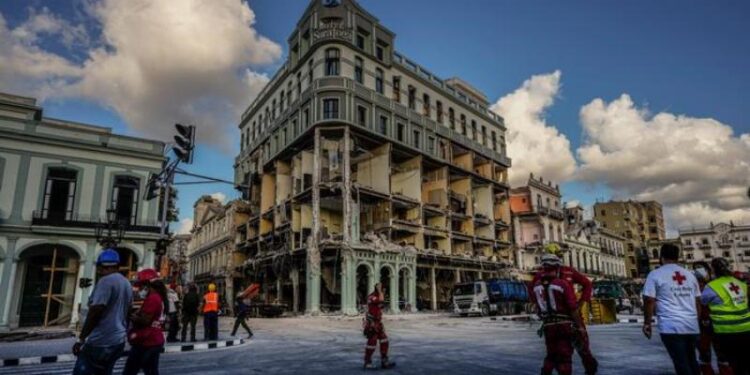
(702, 272)
(243, 301)
(211, 314)
(552, 264)
(374, 330)
(558, 309)
(726, 298)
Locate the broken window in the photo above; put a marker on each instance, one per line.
(125, 199)
(59, 194)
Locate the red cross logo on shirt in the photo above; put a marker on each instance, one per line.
(678, 277)
(734, 288)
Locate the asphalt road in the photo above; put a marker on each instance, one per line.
(420, 345)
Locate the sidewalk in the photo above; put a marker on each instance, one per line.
(62, 347)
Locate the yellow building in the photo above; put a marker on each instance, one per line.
(639, 223)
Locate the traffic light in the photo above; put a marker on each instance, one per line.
(153, 188)
(161, 246)
(185, 143)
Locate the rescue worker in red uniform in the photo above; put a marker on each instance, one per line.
(374, 330)
(702, 272)
(552, 265)
(558, 308)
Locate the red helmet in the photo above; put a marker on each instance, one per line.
(146, 275)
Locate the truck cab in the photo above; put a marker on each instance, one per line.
(471, 298)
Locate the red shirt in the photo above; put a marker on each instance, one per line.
(374, 305)
(557, 298)
(570, 275)
(152, 335)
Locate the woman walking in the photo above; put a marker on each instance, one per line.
(145, 336)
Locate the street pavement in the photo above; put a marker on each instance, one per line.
(420, 344)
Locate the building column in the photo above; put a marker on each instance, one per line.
(347, 190)
(7, 279)
(348, 286)
(294, 275)
(413, 289)
(86, 269)
(313, 252)
(394, 289)
(458, 276)
(433, 289)
(279, 290)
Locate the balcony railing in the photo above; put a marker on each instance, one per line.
(84, 221)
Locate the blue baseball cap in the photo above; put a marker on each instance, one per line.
(108, 257)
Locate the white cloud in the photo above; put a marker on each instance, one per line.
(697, 167)
(186, 225)
(221, 197)
(26, 68)
(534, 145)
(157, 62)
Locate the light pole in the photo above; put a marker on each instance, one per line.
(115, 230)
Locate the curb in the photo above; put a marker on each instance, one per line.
(10, 362)
(639, 321)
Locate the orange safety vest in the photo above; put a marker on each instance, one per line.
(211, 302)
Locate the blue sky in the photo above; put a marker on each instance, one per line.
(680, 57)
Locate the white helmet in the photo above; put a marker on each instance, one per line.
(551, 260)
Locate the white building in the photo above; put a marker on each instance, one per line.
(57, 181)
(591, 248)
(721, 240)
(211, 250)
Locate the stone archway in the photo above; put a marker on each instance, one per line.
(48, 285)
(363, 288)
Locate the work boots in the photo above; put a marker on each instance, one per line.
(386, 364)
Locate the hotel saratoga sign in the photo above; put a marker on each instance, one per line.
(332, 28)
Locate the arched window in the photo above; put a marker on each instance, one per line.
(439, 109)
(125, 199)
(333, 56)
(452, 118)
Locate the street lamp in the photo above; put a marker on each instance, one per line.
(115, 230)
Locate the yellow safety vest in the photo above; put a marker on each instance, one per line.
(732, 315)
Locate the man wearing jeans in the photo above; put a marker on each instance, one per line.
(673, 292)
(102, 339)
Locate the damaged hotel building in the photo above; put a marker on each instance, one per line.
(361, 166)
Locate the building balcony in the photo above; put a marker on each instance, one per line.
(75, 220)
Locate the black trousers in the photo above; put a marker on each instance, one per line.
(734, 347)
(143, 358)
(240, 321)
(211, 326)
(174, 327)
(681, 349)
(189, 320)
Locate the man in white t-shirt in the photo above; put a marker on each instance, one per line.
(673, 292)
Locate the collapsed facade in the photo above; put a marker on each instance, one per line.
(361, 166)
